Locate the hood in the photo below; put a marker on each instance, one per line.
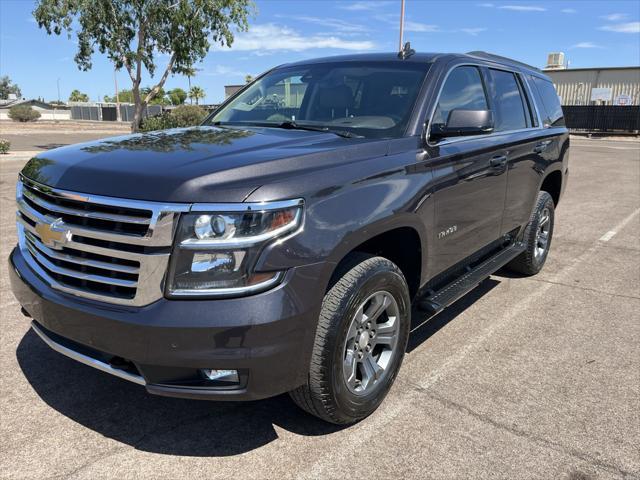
(198, 164)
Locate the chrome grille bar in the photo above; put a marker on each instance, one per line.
(79, 260)
(75, 274)
(81, 246)
(110, 217)
(164, 227)
(103, 253)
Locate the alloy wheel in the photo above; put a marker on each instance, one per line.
(371, 342)
(542, 234)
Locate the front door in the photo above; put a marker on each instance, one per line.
(469, 177)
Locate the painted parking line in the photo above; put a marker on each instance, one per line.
(612, 233)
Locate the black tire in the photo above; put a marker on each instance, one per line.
(326, 393)
(530, 262)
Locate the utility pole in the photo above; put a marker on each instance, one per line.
(58, 82)
(401, 23)
(115, 81)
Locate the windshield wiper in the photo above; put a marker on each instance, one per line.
(291, 125)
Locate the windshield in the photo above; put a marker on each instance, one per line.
(369, 99)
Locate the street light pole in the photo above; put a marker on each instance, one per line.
(58, 82)
(115, 81)
(401, 23)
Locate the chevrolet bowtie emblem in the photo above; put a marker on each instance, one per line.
(53, 235)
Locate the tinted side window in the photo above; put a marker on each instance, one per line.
(510, 113)
(553, 116)
(463, 90)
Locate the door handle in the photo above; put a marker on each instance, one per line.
(498, 162)
(542, 146)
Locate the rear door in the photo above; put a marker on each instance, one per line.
(469, 176)
(517, 128)
(533, 149)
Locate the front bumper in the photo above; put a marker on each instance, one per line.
(266, 337)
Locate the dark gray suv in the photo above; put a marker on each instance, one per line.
(281, 246)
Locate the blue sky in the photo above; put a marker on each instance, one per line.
(591, 33)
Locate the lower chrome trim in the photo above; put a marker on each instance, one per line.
(91, 362)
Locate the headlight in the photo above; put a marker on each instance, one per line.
(217, 247)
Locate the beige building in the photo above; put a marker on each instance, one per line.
(597, 86)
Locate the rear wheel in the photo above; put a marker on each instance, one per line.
(360, 341)
(537, 237)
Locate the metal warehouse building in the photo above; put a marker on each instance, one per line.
(597, 86)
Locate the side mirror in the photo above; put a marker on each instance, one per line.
(464, 122)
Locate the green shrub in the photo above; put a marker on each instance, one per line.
(182, 116)
(157, 122)
(4, 145)
(189, 115)
(23, 113)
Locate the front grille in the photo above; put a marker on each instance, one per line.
(101, 248)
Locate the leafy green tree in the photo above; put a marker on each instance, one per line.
(196, 93)
(133, 33)
(78, 96)
(159, 98)
(177, 96)
(248, 78)
(124, 96)
(7, 87)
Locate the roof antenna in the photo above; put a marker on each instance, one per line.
(401, 24)
(406, 51)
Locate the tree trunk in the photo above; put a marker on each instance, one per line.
(137, 117)
(138, 109)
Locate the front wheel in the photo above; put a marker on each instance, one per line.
(537, 237)
(360, 341)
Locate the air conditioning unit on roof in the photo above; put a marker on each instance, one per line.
(555, 61)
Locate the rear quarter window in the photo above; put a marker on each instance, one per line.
(550, 110)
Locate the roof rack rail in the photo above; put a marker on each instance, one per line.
(498, 58)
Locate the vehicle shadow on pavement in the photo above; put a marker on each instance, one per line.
(127, 413)
(424, 325)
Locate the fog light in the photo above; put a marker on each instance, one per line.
(221, 375)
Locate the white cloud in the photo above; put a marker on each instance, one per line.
(519, 8)
(420, 27)
(586, 45)
(631, 27)
(569, 10)
(331, 23)
(269, 36)
(223, 71)
(523, 8)
(360, 6)
(473, 31)
(615, 17)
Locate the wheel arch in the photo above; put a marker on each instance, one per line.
(552, 184)
(402, 243)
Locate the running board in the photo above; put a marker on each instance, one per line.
(435, 302)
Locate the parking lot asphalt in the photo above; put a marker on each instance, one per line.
(45, 135)
(523, 378)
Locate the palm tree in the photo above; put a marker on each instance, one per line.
(190, 72)
(196, 93)
(78, 96)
